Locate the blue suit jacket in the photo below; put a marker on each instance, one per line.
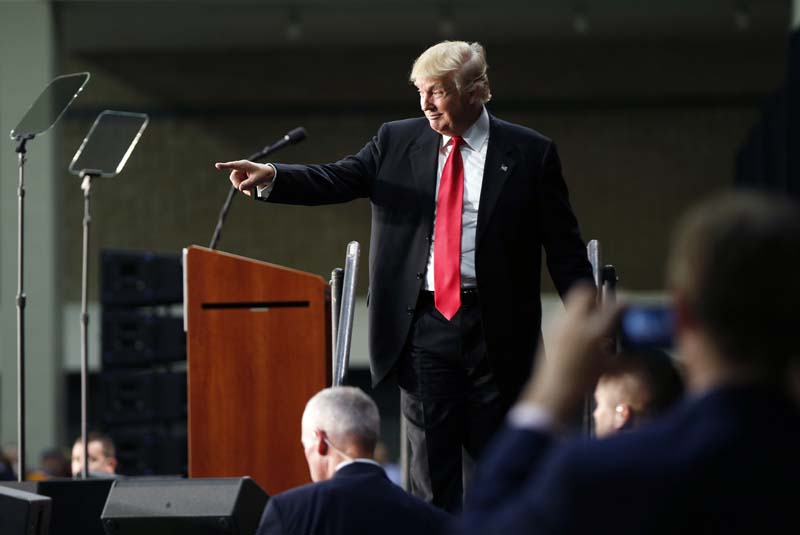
(359, 499)
(728, 462)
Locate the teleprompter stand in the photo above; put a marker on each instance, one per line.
(103, 153)
(46, 110)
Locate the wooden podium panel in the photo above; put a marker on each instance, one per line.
(258, 346)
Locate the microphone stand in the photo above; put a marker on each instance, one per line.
(21, 299)
(221, 219)
(263, 153)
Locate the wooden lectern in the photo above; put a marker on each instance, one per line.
(258, 343)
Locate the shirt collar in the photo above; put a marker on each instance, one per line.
(476, 135)
(358, 460)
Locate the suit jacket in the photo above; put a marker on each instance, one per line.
(524, 205)
(725, 463)
(359, 499)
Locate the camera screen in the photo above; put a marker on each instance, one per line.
(647, 326)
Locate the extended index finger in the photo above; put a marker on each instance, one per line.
(240, 165)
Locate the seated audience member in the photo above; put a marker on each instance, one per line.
(10, 453)
(6, 468)
(351, 494)
(102, 456)
(641, 385)
(53, 464)
(726, 460)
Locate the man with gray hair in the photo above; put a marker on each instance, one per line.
(351, 493)
(462, 205)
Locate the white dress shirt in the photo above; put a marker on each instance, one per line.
(356, 460)
(473, 154)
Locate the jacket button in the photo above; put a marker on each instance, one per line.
(420, 275)
(410, 311)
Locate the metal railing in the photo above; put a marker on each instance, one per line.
(343, 297)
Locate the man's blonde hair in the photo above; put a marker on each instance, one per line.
(462, 63)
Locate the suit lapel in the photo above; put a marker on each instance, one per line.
(500, 163)
(423, 155)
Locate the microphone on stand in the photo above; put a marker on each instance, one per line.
(293, 136)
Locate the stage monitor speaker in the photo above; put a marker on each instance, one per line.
(23, 513)
(230, 506)
(76, 503)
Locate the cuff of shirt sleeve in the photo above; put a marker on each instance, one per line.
(263, 192)
(532, 417)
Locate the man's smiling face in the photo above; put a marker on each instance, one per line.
(448, 112)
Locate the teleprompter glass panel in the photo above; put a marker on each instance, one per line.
(109, 143)
(50, 105)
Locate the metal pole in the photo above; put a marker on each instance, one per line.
(221, 219)
(593, 251)
(21, 299)
(336, 299)
(609, 294)
(610, 280)
(405, 468)
(85, 186)
(348, 307)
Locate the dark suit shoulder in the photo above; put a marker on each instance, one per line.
(353, 502)
(520, 132)
(403, 132)
(411, 125)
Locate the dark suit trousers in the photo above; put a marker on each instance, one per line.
(449, 400)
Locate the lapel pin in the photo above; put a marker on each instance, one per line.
(504, 167)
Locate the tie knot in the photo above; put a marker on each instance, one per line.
(457, 140)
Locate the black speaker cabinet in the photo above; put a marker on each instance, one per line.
(76, 504)
(23, 513)
(230, 506)
(140, 278)
(139, 396)
(132, 337)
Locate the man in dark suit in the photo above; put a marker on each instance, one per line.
(351, 494)
(455, 256)
(724, 461)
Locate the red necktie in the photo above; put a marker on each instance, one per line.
(447, 235)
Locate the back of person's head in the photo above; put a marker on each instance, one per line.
(734, 266)
(348, 416)
(640, 386)
(54, 463)
(6, 468)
